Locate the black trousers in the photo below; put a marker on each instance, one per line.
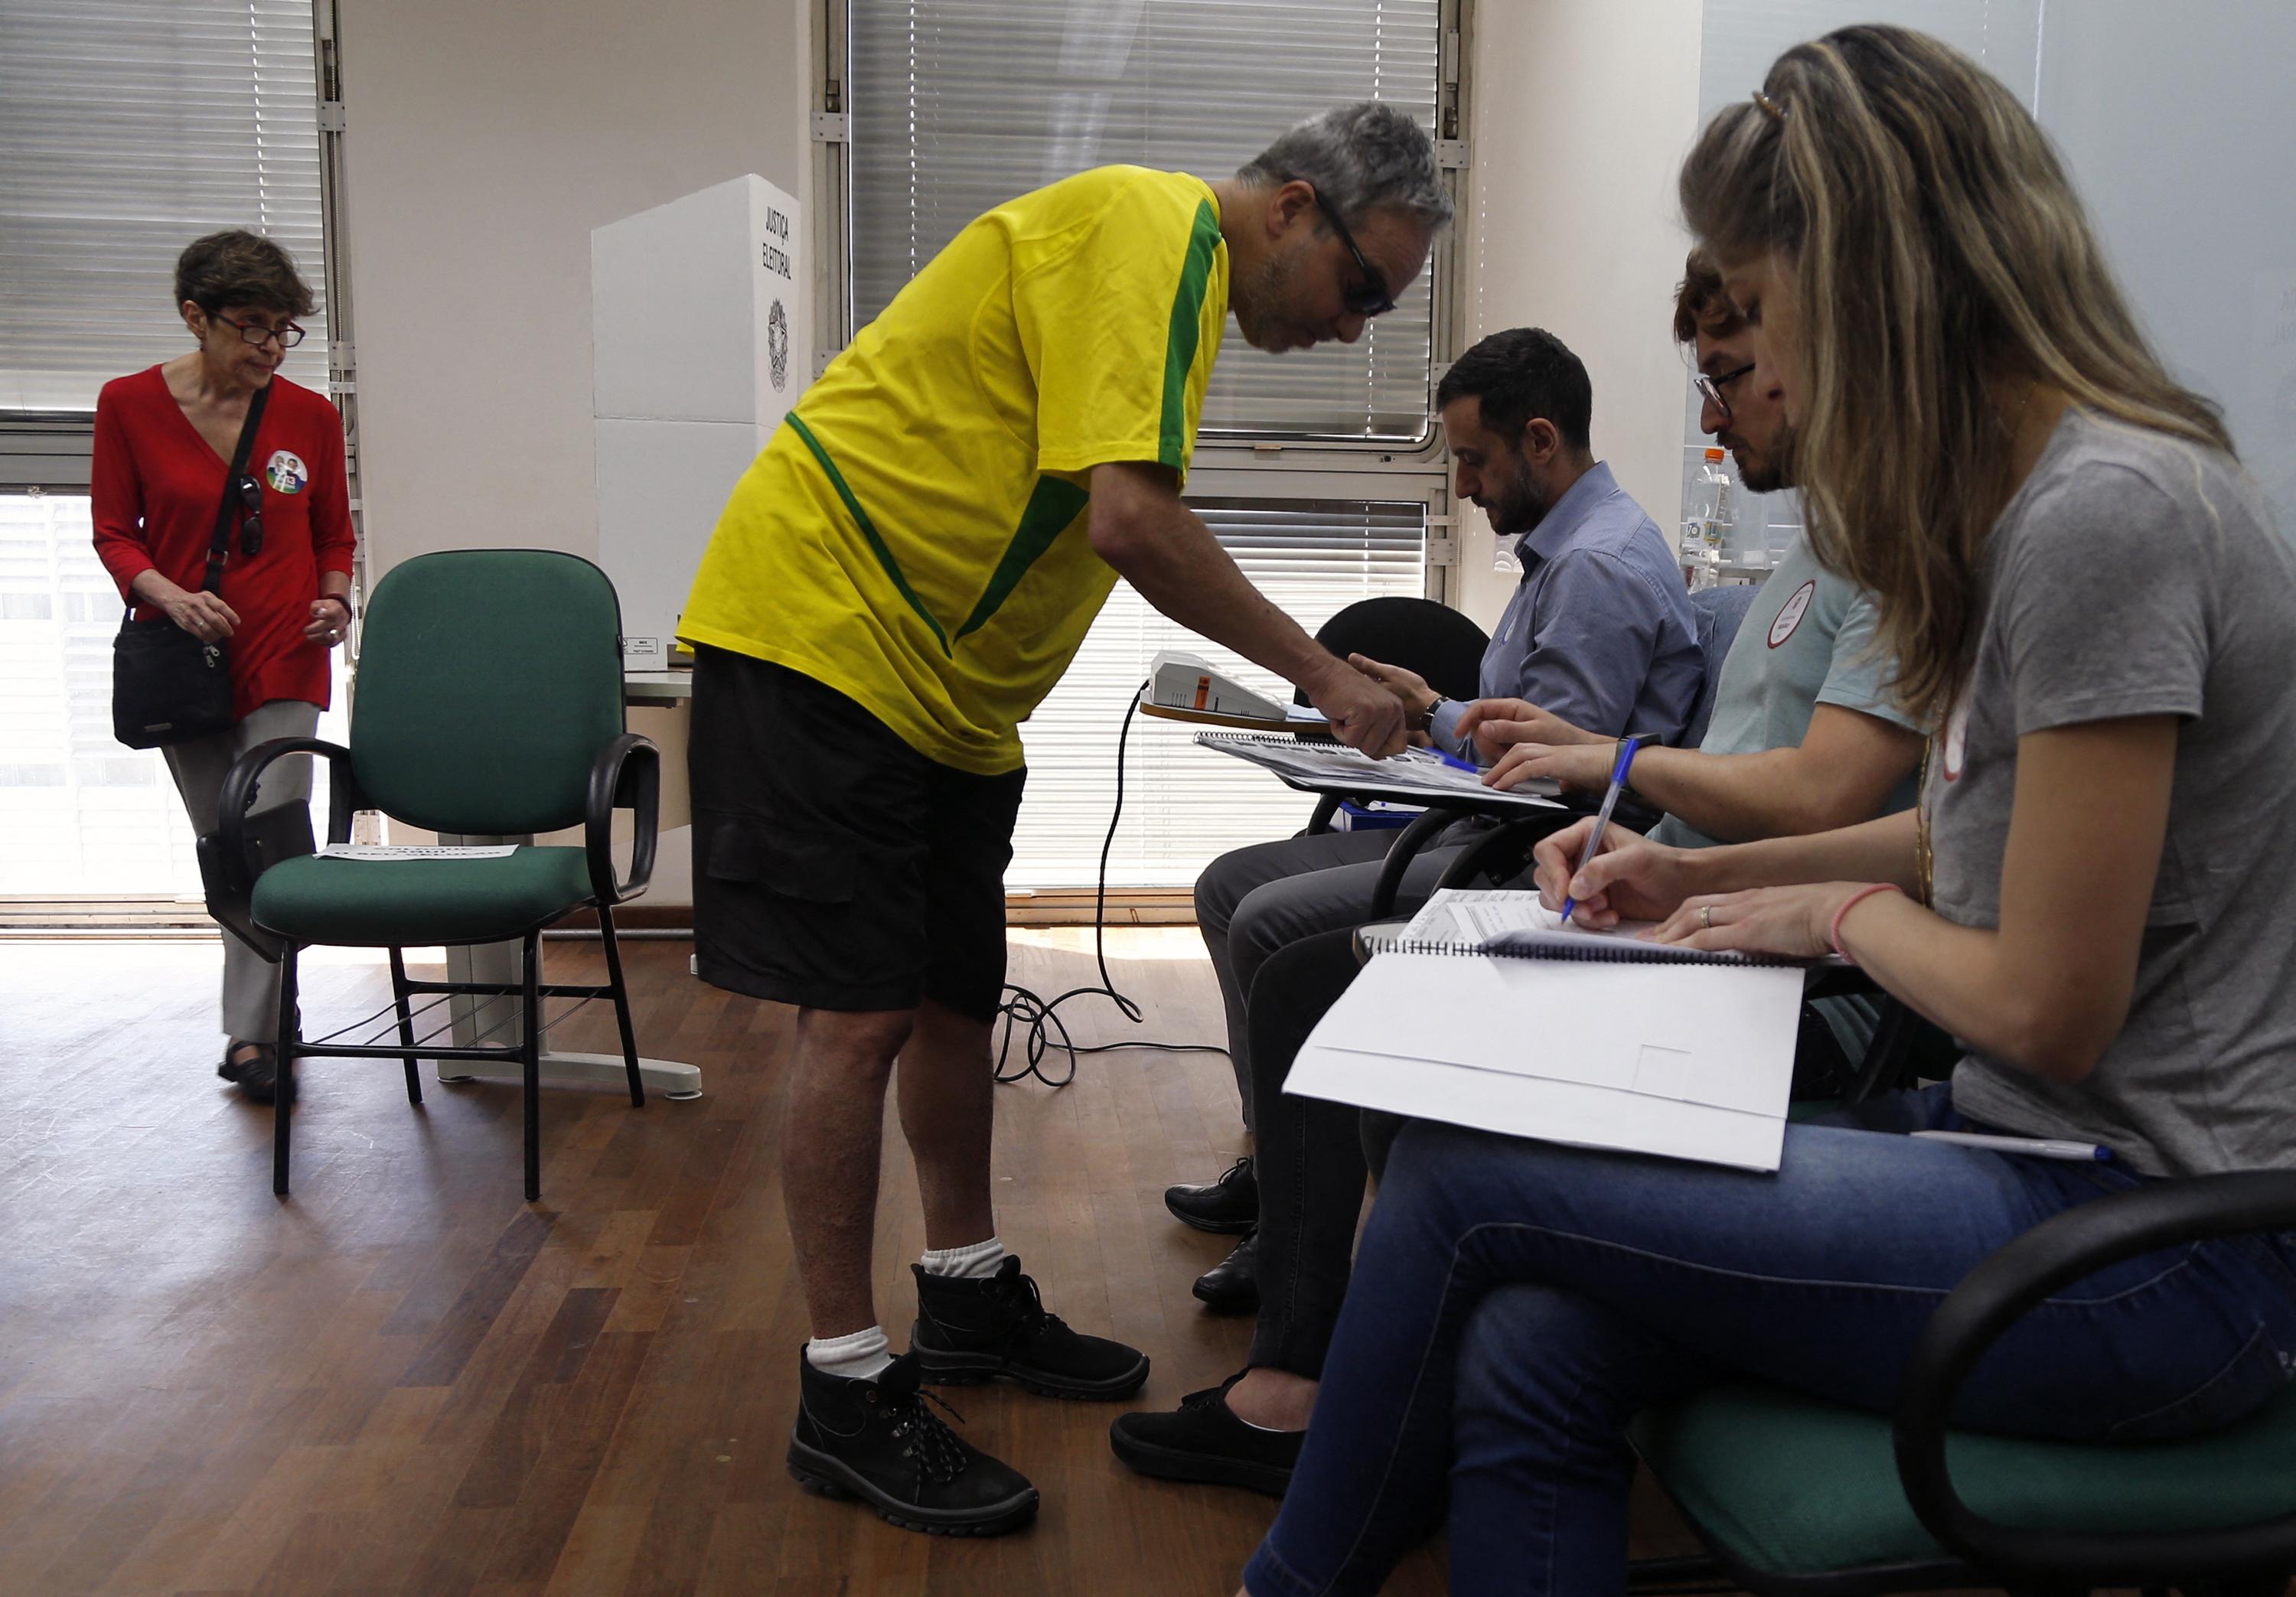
(1309, 1153)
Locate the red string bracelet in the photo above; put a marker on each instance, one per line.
(1833, 934)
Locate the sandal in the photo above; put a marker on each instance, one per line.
(254, 1067)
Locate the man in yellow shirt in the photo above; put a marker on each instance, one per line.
(895, 584)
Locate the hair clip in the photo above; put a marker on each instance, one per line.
(1771, 108)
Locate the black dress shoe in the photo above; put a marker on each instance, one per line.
(1228, 1206)
(255, 1074)
(877, 1440)
(973, 1330)
(1231, 1286)
(1202, 1440)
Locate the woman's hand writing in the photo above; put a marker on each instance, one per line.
(1632, 879)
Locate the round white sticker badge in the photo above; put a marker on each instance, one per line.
(1791, 613)
(1956, 740)
(286, 473)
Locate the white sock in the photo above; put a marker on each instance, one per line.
(862, 1355)
(976, 1263)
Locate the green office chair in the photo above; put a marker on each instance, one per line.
(489, 704)
(1797, 1497)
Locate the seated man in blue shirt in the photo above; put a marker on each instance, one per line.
(1598, 632)
(1804, 737)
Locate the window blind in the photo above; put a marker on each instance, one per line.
(1184, 806)
(958, 105)
(131, 127)
(80, 814)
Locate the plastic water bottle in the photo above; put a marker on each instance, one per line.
(1712, 518)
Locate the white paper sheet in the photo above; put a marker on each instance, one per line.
(1690, 1061)
(415, 851)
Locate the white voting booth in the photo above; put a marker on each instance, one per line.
(701, 336)
(701, 324)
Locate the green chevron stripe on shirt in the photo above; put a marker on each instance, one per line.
(869, 531)
(1181, 337)
(1051, 508)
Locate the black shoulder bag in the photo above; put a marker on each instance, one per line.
(166, 685)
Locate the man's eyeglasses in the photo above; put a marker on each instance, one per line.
(1371, 297)
(1711, 387)
(250, 517)
(250, 332)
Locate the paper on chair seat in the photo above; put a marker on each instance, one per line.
(1690, 1061)
(417, 851)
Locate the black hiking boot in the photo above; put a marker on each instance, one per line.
(879, 1442)
(999, 1329)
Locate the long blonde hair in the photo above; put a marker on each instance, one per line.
(1936, 249)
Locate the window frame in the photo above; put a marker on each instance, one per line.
(1288, 465)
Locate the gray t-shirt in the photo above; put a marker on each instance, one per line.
(2135, 575)
(1808, 640)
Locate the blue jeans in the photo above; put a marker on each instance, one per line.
(1514, 1304)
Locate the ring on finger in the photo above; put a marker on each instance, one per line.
(1706, 918)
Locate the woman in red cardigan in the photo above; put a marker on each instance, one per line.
(164, 440)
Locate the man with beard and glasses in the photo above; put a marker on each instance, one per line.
(1804, 739)
(1598, 632)
(895, 584)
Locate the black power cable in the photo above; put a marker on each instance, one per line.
(1042, 1018)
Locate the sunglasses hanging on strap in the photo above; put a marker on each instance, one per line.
(166, 685)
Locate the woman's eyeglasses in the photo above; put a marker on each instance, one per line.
(254, 333)
(250, 517)
(1371, 297)
(1711, 388)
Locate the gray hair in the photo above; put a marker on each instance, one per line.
(1366, 157)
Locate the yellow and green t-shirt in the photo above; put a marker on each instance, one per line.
(914, 535)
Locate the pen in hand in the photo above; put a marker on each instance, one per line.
(1627, 747)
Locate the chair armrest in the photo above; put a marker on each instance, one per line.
(1328, 805)
(2006, 1284)
(625, 776)
(1399, 854)
(243, 780)
(1505, 852)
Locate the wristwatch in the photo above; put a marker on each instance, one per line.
(1425, 719)
(345, 601)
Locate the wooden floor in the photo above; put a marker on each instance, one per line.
(405, 1380)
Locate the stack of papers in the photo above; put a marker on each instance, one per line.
(1556, 1040)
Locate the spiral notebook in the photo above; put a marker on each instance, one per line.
(1510, 921)
(1561, 1039)
(1414, 776)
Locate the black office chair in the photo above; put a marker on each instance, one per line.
(1419, 634)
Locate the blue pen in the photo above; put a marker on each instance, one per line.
(1627, 747)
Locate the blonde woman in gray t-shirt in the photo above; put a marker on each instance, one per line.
(2087, 596)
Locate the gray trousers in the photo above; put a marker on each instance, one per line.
(250, 983)
(1250, 902)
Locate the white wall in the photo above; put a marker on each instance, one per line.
(485, 141)
(1582, 112)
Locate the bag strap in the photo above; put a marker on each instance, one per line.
(228, 518)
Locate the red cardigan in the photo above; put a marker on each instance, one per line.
(155, 489)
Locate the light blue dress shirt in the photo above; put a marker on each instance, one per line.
(1600, 630)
